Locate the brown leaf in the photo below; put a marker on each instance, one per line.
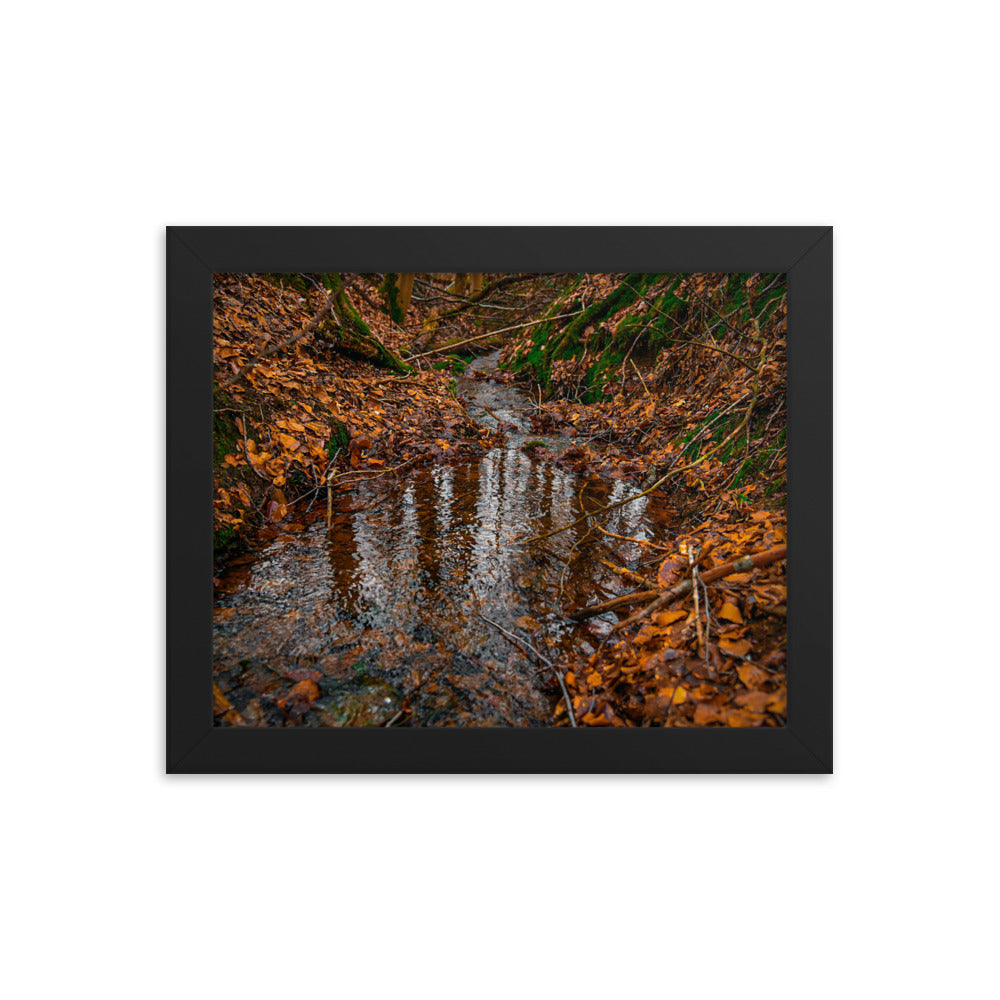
(220, 703)
(752, 675)
(302, 674)
(755, 701)
(731, 613)
(670, 572)
(664, 618)
(306, 688)
(738, 718)
(734, 647)
(705, 713)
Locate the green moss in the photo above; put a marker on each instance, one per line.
(390, 297)
(339, 438)
(453, 363)
(356, 336)
(572, 342)
(222, 538)
(226, 436)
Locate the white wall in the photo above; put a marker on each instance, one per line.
(122, 118)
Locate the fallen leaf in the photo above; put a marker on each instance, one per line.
(752, 675)
(664, 618)
(220, 703)
(670, 572)
(731, 613)
(734, 647)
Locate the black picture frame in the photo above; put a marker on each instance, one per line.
(195, 745)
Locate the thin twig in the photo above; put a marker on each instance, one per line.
(641, 379)
(527, 647)
(697, 609)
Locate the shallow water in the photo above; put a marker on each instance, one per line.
(387, 612)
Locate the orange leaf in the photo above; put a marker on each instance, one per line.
(220, 703)
(734, 647)
(742, 719)
(751, 675)
(678, 696)
(706, 713)
(731, 613)
(665, 618)
(307, 689)
(755, 701)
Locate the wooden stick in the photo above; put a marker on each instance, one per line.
(624, 571)
(682, 588)
(665, 597)
(527, 647)
(636, 597)
(443, 348)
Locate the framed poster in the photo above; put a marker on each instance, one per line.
(569, 513)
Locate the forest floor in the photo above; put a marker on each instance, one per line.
(693, 429)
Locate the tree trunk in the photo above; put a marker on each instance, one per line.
(460, 286)
(354, 335)
(405, 291)
(476, 279)
(389, 290)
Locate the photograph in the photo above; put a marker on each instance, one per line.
(489, 500)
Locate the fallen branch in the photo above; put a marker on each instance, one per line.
(736, 566)
(509, 279)
(662, 597)
(350, 319)
(636, 597)
(528, 648)
(622, 570)
(444, 348)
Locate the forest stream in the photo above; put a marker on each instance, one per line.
(399, 613)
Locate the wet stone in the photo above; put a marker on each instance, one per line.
(362, 702)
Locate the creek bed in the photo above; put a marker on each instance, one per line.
(387, 610)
